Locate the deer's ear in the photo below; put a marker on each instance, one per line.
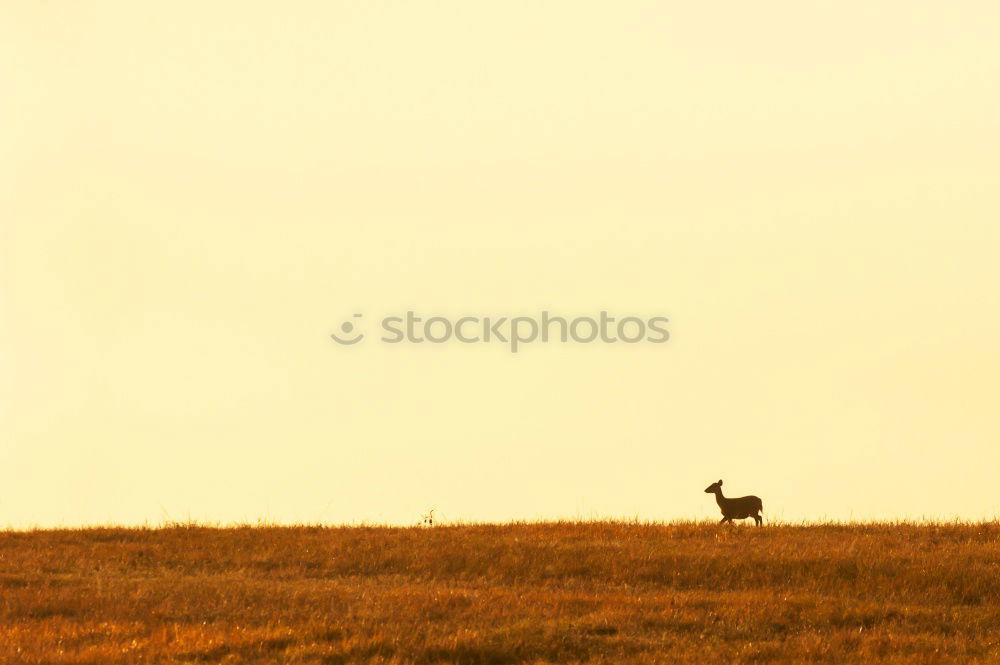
(720, 482)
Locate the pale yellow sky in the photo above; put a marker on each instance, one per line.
(194, 195)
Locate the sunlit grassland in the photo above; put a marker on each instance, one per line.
(601, 592)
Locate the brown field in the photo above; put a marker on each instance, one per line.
(592, 592)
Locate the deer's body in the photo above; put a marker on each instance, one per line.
(738, 508)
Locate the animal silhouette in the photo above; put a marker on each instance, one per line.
(736, 509)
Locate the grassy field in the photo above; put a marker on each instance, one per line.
(594, 592)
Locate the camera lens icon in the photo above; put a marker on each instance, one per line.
(347, 327)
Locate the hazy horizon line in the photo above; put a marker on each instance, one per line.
(621, 521)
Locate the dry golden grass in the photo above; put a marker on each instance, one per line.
(598, 592)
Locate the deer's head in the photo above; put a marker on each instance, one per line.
(713, 488)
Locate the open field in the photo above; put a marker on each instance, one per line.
(598, 592)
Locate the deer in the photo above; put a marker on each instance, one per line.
(736, 509)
